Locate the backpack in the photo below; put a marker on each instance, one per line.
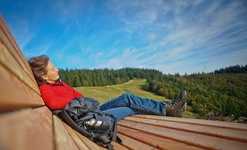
(84, 115)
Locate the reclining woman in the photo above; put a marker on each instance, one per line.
(57, 94)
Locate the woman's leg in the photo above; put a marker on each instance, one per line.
(120, 112)
(137, 104)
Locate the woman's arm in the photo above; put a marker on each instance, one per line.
(51, 98)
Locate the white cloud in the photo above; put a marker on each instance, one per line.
(189, 42)
(173, 36)
(21, 32)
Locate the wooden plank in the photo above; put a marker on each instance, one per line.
(118, 146)
(15, 94)
(8, 42)
(16, 49)
(155, 141)
(203, 141)
(12, 61)
(133, 144)
(227, 133)
(80, 144)
(212, 123)
(18, 88)
(8, 33)
(27, 129)
(90, 144)
(63, 140)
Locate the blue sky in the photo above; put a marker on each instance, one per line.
(173, 36)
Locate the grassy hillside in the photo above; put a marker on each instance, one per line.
(105, 93)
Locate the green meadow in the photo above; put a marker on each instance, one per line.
(105, 93)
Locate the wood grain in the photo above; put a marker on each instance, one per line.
(80, 144)
(26, 129)
(63, 140)
(12, 57)
(135, 144)
(155, 141)
(216, 131)
(15, 94)
(190, 138)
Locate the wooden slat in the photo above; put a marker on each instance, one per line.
(15, 94)
(233, 134)
(12, 60)
(228, 125)
(89, 143)
(16, 50)
(203, 141)
(26, 130)
(118, 146)
(134, 144)
(8, 33)
(19, 88)
(80, 144)
(155, 141)
(63, 140)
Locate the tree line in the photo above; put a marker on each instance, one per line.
(232, 69)
(102, 77)
(223, 91)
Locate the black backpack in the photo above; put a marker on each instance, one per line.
(84, 115)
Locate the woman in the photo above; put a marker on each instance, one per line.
(57, 94)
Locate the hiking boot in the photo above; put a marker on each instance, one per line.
(177, 106)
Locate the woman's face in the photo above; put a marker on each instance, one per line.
(52, 73)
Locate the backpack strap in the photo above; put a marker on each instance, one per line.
(110, 147)
(119, 140)
(56, 112)
(115, 137)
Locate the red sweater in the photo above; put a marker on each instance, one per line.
(58, 94)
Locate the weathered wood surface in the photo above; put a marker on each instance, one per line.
(27, 124)
(182, 133)
(18, 87)
(26, 129)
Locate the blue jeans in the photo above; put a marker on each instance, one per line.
(129, 104)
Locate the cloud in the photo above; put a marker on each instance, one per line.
(172, 36)
(21, 31)
(38, 50)
(67, 10)
(193, 38)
